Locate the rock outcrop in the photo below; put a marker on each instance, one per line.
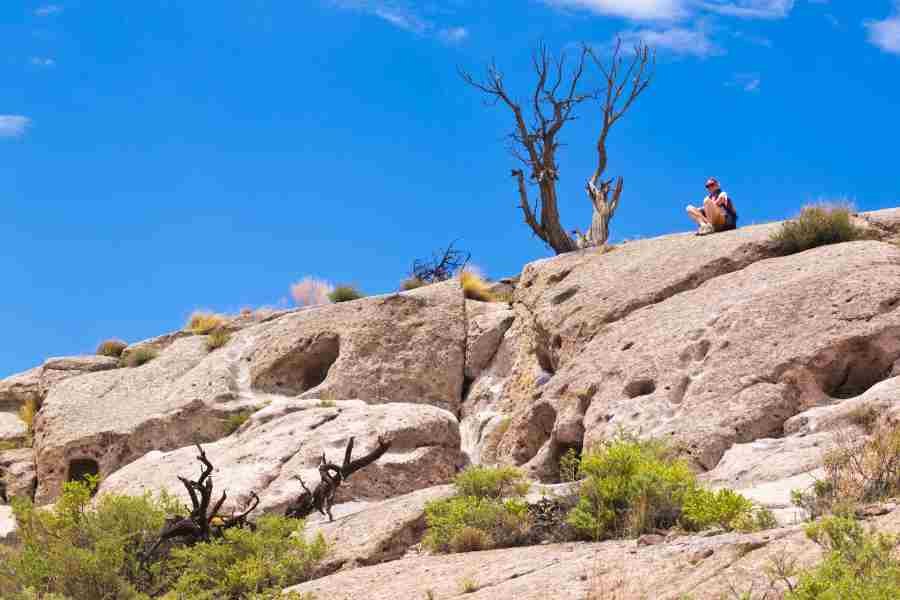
(287, 439)
(18, 473)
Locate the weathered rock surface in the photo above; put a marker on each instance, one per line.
(7, 525)
(288, 438)
(487, 323)
(114, 417)
(407, 347)
(695, 567)
(728, 362)
(18, 472)
(378, 533)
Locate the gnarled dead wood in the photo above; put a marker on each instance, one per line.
(322, 497)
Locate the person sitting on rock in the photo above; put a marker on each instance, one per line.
(717, 213)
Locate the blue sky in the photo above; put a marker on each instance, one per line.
(158, 157)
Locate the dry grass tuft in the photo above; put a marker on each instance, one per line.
(412, 283)
(139, 356)
(475, 287)
(817, 225)
(113, 348)
(202, 323)
(217, 339)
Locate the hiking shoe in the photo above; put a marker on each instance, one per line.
(705, 229)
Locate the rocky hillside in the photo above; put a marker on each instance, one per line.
(745, 361)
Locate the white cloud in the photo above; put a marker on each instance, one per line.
(676, 40)
(748, 82)
(405, 21)
(453, 35)
(40, 61)
(752, 9)
(638, 10)
(886, 34)
(12, 126)
(48, 10)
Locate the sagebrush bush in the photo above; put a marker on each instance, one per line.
(113, 348)
(234, 421)
(451, 522)
(246, 563)
(202, 323)
(310, 291)
(858, 565)
(345, 293)
(570, 466)
(139, 356)
(412, 283)
(85, 549)
(475, 287)
(491, 482)
(817, 225)
(217, 338)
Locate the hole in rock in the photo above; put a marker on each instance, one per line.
(640, 387)
(855, 368)
(82, 468)
(553, 279)
(566, 295)
(304, 367)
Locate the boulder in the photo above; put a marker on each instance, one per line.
(487, 323)
(13, 430)
(33, 385)
(727, 363)
(406, 347)
(287, 439)
(18, 472)
(379, 533)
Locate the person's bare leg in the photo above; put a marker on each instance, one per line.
(696, 215)
(714, 215)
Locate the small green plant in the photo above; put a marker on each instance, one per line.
(327, 403)
(201, 323)
(858, 565)
(234, 421)
(412, 283)
(491, 482)
(345, 293)
(817, 225)
(113, 348)
(570, 465)
(139, 356)
(475, 287)
(11, 445)
(217, 338)
(469, 585)
(724, 508)
(865, 416)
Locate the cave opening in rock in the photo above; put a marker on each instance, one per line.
(80, 469)
(304, 368)
(640, 387)
(855, 369)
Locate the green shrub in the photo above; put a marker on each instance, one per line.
(570, 466)
(139, 356)
(412, 283)
(246, 563)
(858, 565)
(759, 519)
(704, 509)
(202, 323)
(217, 339)
(630, 487)
(491, 482)
(113, 348)
(817, 225)
(345, 293)
(79, 551)
(502, 523)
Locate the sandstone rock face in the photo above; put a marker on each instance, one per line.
(726, 363)
(487, 323)
(32, 387)
(287, 439)
(107, 419)
(17, 470)
(407, 347)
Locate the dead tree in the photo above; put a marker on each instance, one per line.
(538, 122)
(534, 139)
(442, 266)
(322, 497)
(622, 88)
(203, 523)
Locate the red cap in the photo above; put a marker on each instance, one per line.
(712, 181)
